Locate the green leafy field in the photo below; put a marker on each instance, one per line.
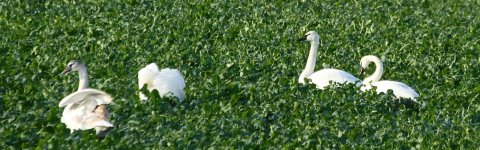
(241, 62)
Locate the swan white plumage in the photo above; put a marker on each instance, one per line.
(168, 82)
(86, 108)
(400, 90)
(322, 77)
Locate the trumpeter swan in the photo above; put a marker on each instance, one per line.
(86, 108)
(400, 90)
(322, 77)
(168, 82)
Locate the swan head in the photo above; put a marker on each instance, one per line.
(311, 36)
(74, 65)
(375, 77)
(366, 60)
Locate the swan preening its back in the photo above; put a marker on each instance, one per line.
(400, 90)
(322, 77)
(86, 108)
(168, 82)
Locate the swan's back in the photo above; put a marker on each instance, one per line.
(323, 77)
(168, 82)
(399, 89)
(80, 112)
(78, 97)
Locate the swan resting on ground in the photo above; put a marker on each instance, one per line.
(400, 90)
(322, 77)
(168, 82)
(86, 108)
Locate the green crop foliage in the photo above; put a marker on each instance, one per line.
(241, 62)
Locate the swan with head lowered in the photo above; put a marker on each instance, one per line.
(324, 77)
(86, 108)
(168, 82)
(400, 90)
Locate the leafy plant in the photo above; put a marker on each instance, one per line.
(241, 65)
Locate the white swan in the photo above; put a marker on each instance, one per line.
(322, 77)
(86, 108)
(400, 90)
(168, 82)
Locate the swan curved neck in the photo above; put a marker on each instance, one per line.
(312, 59)
(82, 73)
(375, 77)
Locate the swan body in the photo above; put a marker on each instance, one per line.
(168, 82)
(86, 108)
(324, 77)
(400, 90)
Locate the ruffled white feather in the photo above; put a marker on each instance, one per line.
(168, 82)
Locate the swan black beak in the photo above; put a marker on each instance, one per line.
(304, 38)
(66, 70)
(361, 71)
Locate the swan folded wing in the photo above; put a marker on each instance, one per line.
(326, 75)
(174, 76)
(399, 89)
(168, 84)
(171, 72)
(100, 97)
(170, 81)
